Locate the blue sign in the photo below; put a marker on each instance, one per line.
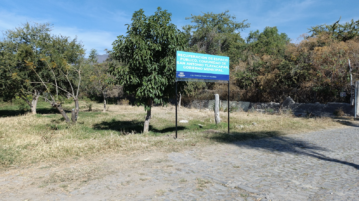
(201, 66)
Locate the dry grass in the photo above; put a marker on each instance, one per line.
(80, 176)
(30, 138)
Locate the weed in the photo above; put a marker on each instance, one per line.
(54, 127)
(182, 180)
(269, 110)
(8, 156)
(308, 114)
(202, 183)
(233, 108)
(80, 175)
(89, 105)
(124, 102)
(339, 112)
(47, 137)
(160, 192)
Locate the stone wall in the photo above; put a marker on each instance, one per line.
(298, 109)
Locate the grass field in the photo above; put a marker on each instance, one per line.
(26, 139)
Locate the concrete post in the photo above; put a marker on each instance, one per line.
(216, 109)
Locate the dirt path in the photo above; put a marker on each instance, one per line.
(322, 165)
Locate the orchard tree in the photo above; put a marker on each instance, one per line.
(149, 52)
(63, 61)
(100, 81)
(39, 63)
(21, 45)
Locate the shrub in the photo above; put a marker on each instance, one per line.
(22, 105)
(339, 112)
(124, 101)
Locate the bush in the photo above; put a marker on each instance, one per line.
(124, 101)
(22, 105)
(339, 112)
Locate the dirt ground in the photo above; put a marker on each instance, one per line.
(308, 166)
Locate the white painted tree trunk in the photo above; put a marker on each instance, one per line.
(104, 105)
(216, 109)
(75, 112)
(146, 126)
(179, 100)
(33, 106)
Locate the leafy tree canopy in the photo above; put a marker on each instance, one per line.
(341, 32)
(269, 42)
(149, 52)
(34, 61)
(214, 33)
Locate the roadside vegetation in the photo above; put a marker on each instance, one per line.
(26, 139)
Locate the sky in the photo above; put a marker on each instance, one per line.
(96, 24)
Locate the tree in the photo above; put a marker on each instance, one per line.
(64, 62)
(100, 81)
(314, 70)
(217, 34)
(148, 51)
(269, 42)
(40, 63)
(214, 33)
(24, 44)
(340, 32)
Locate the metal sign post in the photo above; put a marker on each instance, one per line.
(201, 67)
(356, 103)
(228, 107)
(176, 110)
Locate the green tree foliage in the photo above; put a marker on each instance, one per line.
(99, 80)
(314, 70)
(217, 34)
(20, 46)
(214, 33)
(340, 32)
(40, 63)
(149, 51)
(268, 42)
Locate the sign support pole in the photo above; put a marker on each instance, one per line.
(356, 103)
(176, 110)
(228, 107)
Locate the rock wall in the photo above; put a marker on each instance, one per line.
(298, 109)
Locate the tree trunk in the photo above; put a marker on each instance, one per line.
(61, 110)
(148, 117)
(73, 116)
(77, 104)
(216, 109)
(179, 100)
(33, 105)
(104, 105)
(75, 112)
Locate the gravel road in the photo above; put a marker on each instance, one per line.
(321, 165)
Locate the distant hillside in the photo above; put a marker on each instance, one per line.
(102, 58)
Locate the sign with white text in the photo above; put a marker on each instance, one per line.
(191, 65)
